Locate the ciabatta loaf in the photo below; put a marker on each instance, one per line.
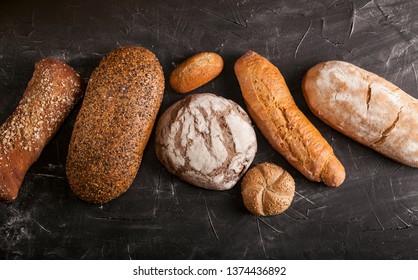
(365, 107)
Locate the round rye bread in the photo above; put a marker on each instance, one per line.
(206, 140)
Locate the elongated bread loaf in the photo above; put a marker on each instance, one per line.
(49, 97)
(365, 107)
(275, 113)
(114, 124)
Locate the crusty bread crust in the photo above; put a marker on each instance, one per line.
(275, 113)
(365, 107)
(49, 97)
(267, 189)
(206, 140)
(196, 71)
(114, 124)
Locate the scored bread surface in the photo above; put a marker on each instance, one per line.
(267, 189)
(365, 107)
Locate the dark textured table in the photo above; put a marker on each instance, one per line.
(373, 215)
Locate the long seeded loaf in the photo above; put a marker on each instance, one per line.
(114, 124)
(49, 97)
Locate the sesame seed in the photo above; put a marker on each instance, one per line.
(50, 95)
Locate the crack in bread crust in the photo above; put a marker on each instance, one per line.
(387, 130)
(368, 108)
(213, 155)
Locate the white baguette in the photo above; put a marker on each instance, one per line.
(365, 107)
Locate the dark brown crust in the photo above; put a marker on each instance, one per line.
(49, 97)
(275, 113)
(196, 71)
(114, 124)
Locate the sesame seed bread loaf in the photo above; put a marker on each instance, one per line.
(114, 124)
(49, 97)
(206, 140)
(365, 107)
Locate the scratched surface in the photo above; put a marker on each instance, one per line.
(373, 215)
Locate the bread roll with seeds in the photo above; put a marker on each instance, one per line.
(287, 129)
(114, 124)
(196, 71)
(49, 97)
(206, 140)
(267, 189)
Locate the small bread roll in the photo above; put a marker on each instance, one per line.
(267, 189)
(196, 71)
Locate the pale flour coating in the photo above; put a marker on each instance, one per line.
(206, 140)
(365, 107)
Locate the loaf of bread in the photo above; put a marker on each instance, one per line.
(267, 189)
(196, 71)
(365, 107)
(114, 124)
(275, 113)
(206, 140)
(49, 97)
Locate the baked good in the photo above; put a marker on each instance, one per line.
(276, 114)
(206, 140)
(49, 97)
(365, 107)
(114, 124)
(267, 189)
(196, 71)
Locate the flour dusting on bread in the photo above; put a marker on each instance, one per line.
(206, 140)
(365, 107)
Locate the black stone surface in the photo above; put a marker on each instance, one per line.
(373, 215)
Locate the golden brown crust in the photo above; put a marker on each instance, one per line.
(49, 97)
(196, 71)
(275, 113)
(114, 124)
(267, 189)
(365, 107)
